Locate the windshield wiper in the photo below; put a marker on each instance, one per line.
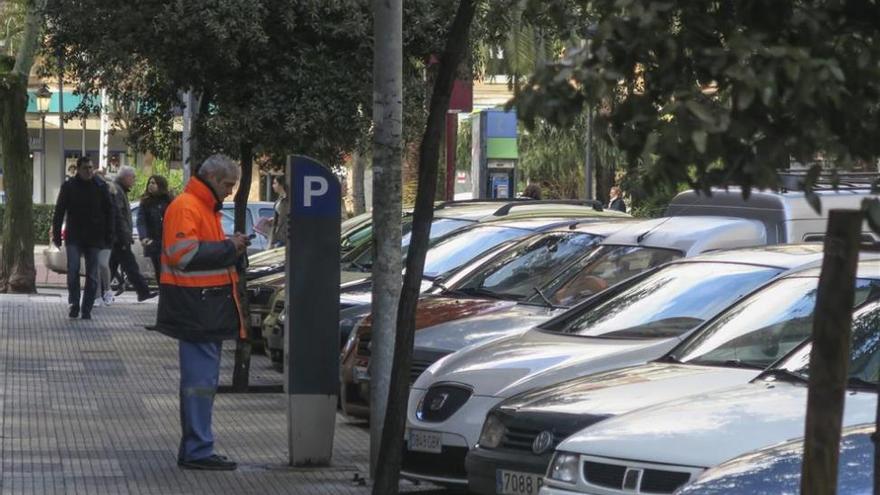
(730, 363)
(669, 358)
(544, 297)
(858, 382)
(360, 267)
(784, 375)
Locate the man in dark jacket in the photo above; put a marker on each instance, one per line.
(122, 241)
(616, 200)
(199, 302)
(84, 200)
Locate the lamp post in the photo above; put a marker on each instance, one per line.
(44, 97)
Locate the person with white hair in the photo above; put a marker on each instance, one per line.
(123, 239)
(199, 302)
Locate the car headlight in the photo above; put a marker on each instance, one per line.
(564, 467)
(493, 432)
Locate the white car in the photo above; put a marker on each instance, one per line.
(659, 449)
(731, 349)
(636, 321)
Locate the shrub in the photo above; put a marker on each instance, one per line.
(160, 167)
(42, 222)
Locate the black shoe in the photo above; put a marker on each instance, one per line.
(73, 310)
(212, 463)
(86, 316)
(148, 295)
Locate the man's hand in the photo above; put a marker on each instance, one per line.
(240, 241)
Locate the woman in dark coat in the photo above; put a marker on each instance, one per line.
(149, 223)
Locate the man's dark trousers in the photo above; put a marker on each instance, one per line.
(122, 254)
(74, 252)
(199, 377)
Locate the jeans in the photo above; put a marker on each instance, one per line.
(74, 252)
(123, 255)
(199, 377)
(104, 270)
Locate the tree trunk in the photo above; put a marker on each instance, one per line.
(358, 195)
(17, 271)
(387, 157)
(241, 372)
(829, 357)
(388, 472)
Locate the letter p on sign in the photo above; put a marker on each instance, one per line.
(314, 186)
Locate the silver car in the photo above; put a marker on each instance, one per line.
(56, 258)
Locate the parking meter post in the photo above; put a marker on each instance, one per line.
(311, 337)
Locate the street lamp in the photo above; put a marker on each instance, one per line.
(44, 97)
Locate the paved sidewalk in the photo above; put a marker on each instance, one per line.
(90, 407)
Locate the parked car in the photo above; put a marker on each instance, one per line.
(666, 451)
(776, 470)
(787, 215)
(631, 323)
(731, 349)
(56, 258)
(492, 285)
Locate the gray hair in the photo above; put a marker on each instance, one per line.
(125, 171)
(218, 164)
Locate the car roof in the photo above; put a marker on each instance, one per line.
(868, 267)
(487, 211)
(786, 256)
(691, 234)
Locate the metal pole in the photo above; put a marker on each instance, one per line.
(43, 157)
(61, 117)
(104, 132)
(186, 135)
(588, 158)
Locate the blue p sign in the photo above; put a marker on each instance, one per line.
(315, 190)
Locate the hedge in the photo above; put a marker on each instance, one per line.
(42, 222)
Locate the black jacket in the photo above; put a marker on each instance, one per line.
(87, 206)
(122, 227)
(150, 220)
(618, 205)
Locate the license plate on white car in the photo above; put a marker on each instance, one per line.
(256, 320)
(425, 441)
(517, 483)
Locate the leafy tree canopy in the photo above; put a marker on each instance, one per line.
(723, 92)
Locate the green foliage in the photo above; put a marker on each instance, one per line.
(725, 92)
(42, 222)
(160, 167)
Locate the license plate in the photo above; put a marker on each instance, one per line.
(424, 441)
(517, 483)
(256, 320)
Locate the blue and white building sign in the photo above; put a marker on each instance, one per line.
(315, 190)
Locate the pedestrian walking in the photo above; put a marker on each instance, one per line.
(616, 202)
(278, 236)
(153, 204)
(105, 292)
(123, 238)
(199, 302)
(84, 202)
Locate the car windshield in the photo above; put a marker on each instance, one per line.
(667, 303)
(516, 273)
(765, 326)
(459, 248)
(440, 227)
(864, 364)
(227, 220)
(605, 266)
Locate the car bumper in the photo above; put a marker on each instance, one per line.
(482, 464)
(550, 490)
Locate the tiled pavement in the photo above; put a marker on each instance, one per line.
(90, 407)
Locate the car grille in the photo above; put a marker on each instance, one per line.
(448, 464)
(653, 480)
(441, 402)
(523, 438)
(657, 481)
(520, 430)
